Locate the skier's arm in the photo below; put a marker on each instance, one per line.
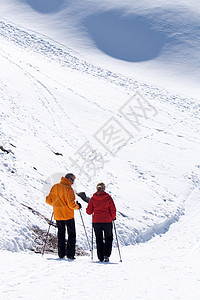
(50, 197)
(90, 207)
(112, 209)
(71, 199)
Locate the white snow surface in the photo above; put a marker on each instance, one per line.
(167, 267)
(156, 42)
(59, 86)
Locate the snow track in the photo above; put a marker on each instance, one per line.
(69, 59)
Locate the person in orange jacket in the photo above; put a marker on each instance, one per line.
(102, 206)
(62, 198)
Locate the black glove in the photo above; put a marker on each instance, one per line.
(79, 204)
(114, 219)
(84, 197)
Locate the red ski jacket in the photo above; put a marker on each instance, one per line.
(102, 207)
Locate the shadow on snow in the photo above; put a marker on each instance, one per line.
(46, 6)
(129, 38)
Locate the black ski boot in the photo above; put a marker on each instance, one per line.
(106, 259)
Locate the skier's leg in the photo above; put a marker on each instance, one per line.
(99, 240)
(108, 233)
(61, 238)
(71, 242)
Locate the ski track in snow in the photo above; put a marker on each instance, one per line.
(31, 42)
(43, 95)
(158, 219)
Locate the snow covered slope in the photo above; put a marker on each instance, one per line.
(108, 91)
(156, 42)
(55, 106)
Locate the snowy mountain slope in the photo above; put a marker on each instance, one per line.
(54, 102)
(162, 38)
(61, 91)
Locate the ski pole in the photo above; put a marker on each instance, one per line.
(117, 242)
(47, 235)
(84, 229)
(92, 244)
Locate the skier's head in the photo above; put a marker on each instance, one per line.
(71, 177)
(101, 187)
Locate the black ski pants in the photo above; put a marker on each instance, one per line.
(70, 251)
(104, 239)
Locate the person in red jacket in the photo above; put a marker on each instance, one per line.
(102, 207)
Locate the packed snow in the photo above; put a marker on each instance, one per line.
(69, 71)
(167, 267)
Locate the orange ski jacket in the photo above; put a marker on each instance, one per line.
(62, 198)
